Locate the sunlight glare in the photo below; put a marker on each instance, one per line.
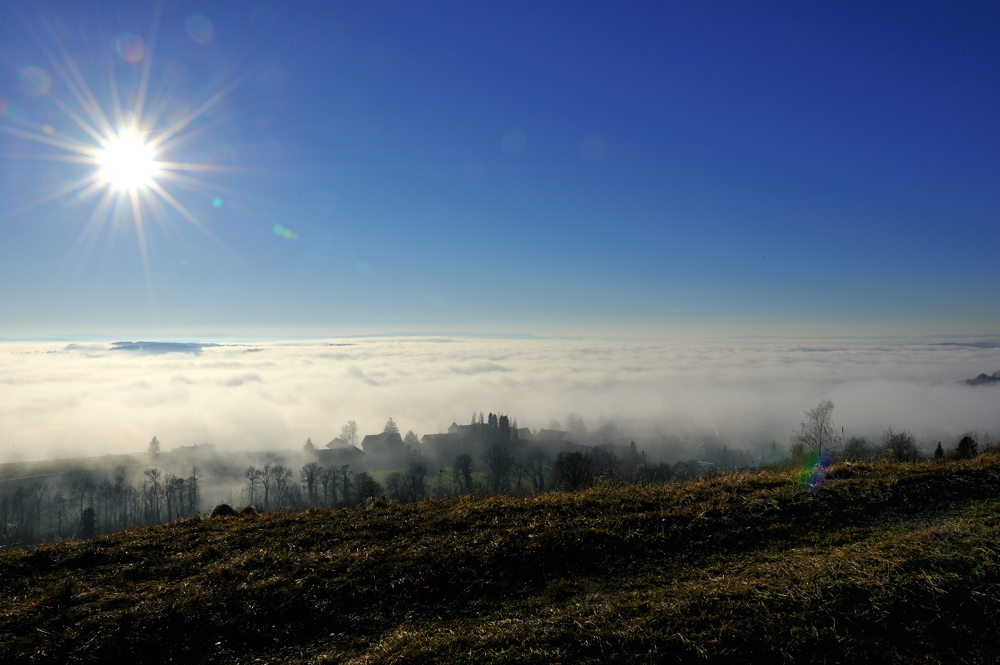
(127, 163)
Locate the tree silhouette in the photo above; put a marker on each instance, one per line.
(856, 450)
(309, 474)
(463, 473)
(88, 523)
(899, 445)
(573, 471)
(967, 448)
(154, 446)
(349, 433)
(391, 427)
(415, 476)
(816, 431)
(499, 464)
(367, 487)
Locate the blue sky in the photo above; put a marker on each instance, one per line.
(640, 169)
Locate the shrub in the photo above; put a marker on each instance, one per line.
(856, 450)
(248, 511)
(899, 446)
(656, 474)
(685, 470)
(573, 471)
(223, 510)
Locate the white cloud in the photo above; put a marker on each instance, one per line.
(85, 399)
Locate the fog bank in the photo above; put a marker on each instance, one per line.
(62, 400)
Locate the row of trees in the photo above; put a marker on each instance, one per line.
(818, 433)
(42, 512)
(85, 507)
(272, 486)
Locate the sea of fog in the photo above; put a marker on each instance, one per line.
(68, 400)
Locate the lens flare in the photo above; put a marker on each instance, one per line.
(812, 473)
(130, 47)
(35, 82)
(199, 28)
(282, 232)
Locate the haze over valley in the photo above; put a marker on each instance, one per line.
(61, 399)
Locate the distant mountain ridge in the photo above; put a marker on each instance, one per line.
(157, 348)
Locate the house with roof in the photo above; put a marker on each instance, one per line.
(341, 455)
(386, 443)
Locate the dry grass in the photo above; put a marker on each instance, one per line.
(892, 564)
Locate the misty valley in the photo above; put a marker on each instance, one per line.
(499, 332)
(61, 499)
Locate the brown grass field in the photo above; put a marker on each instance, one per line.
(884, 563)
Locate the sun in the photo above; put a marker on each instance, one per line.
(127, 163)
(128, 149)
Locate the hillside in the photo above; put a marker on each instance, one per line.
(882, 563)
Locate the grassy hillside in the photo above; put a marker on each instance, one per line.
(882, 563)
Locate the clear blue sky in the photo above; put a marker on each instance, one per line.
(550, 168)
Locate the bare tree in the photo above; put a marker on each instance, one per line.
(462, 472)
(194, 493)
(538, 469)
(575, 427)
(499, 464)
(253, 476)
(605, 460)
(105, 502)
(309, 474)
(856, 450)
(170, 495)
(367, 487)
(88, 523)
(899, 445)
(281, 475)
(59, 507)
(122, 495)
(631, 460)
(267, 482)
(817, 431)
(415, 477)
(573, 471)
(344, 477)
(154, 494)
(395, 486)
(36, 495)
(349, 433)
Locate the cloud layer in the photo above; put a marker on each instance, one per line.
(87, 399)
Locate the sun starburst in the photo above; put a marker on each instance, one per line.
(121, 147)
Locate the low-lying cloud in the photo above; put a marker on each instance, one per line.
(88, 399)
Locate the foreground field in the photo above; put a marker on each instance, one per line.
(882, 563)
